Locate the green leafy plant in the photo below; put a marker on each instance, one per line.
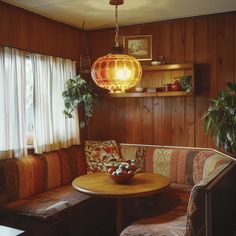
(79, 93)
(221, 119)
(186, 83)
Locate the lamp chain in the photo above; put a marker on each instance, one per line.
(117, 29)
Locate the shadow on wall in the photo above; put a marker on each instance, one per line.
(203, 77)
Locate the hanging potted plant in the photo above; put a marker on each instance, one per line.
(79, 93)
(221, 119)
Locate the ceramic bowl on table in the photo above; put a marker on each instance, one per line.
(123, 172)
(122, 179)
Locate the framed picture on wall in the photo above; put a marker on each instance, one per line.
(139, 46)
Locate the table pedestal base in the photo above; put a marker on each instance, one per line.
(119, 215)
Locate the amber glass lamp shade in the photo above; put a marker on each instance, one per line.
(116, 72)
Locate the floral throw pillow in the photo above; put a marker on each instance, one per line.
(100, 153)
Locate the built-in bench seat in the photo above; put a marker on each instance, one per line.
(36, 193)
(36, 196)
(182, 209)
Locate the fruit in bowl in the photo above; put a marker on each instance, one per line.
(123, 172)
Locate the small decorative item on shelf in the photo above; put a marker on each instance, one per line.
(159, 89)
(166, 87)
(186, 83)
(151, 90)
(123, 172)
(161, 59)
(139, 89)
(155, 63)
(175, 86)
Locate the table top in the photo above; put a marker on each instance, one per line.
(100, 184)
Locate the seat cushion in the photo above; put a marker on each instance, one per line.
(166, 225)
(161, 214)
(49, 205)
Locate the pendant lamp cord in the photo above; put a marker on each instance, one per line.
(117, 28)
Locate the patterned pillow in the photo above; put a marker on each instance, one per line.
(99, 153)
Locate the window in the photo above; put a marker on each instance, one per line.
(31, 103)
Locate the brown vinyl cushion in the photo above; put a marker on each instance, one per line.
(48, 205)
(161, 214)
(34, 174)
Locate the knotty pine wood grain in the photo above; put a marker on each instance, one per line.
(167, 117)
(165, 46)
(189, 122)
(178, 121)
(157, 126)
(225, 45)
(147, 120)
(31, 32)
(133, 121)
(189, 40)
(209, 42)
(178, 30)
(121, 120)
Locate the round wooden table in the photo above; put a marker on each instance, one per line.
(100, 184)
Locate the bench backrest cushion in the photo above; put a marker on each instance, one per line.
(24, 177)
(181, 165)
(100, 153)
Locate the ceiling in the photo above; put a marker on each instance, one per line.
(99, 14)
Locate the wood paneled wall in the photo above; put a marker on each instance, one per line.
(31, 32)
(209, 42)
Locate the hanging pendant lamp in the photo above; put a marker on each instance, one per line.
(116, 71)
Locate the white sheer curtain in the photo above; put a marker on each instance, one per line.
(51, 129)
(12, 103)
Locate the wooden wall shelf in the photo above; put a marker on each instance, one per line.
(158, 75)
(169, 67)
(145, 94)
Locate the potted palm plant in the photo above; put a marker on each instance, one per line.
(79, 93)
(221, 119)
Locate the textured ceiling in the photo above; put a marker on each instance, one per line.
(99, 14)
